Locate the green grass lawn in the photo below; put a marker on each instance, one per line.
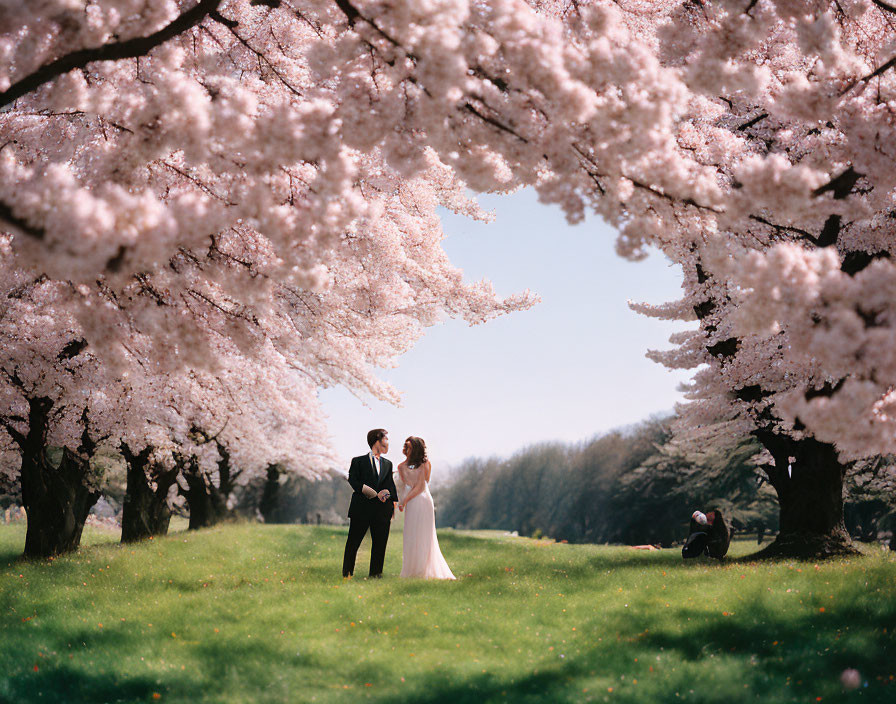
(251, 613)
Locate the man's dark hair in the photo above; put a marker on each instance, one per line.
(374, 436)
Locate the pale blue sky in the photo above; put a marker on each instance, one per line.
(571, 367)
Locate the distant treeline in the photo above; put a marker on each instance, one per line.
(286, 498)
(630, 486)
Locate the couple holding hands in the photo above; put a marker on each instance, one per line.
(373, 508)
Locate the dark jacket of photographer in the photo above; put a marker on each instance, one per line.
(711, 539)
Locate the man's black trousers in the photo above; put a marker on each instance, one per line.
(379, 535)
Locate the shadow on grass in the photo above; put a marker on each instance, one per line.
(791, 636)
(761, 556)
(230, 665)
(226, 669)
(461, 540)
(65, 684)
(549, 686)
(717, 662)
(10, 557)
(810, 649)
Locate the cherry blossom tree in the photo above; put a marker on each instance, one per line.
(791, 340)
(48, 401)
(261, 411)
(58, 396)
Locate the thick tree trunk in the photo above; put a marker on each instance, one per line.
(56, 499)
(228, 477)
(57, 502)
(269, 506)
(146, 512)
(808, 478)
(207, 506)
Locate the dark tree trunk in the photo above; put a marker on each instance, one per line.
(269, 506)
(207, 506)
(56, 499)
(810, 495)
(227, 478)
(146, 512)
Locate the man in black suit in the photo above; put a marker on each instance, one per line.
(373, 504)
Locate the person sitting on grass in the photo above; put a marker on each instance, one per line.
(709, 534)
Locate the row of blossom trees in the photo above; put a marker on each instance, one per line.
(262, 177)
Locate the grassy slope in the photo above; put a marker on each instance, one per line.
(260, 614)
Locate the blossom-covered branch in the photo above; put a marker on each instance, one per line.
(113, 51)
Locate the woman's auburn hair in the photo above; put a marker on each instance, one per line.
(417, 455)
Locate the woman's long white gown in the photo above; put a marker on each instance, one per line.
(421, 555)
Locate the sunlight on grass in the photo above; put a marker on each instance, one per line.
(249, 613)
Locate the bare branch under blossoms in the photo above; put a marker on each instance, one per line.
(886, 7)
(352, 14)
(199, 184)
(785, 228)
(231, 26)
(883, 68)
(20, 224)
(841, 185)
(495, 123)
(672, 199)
(18, 437)
(128, 49)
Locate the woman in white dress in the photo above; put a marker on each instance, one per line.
(421, 555)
